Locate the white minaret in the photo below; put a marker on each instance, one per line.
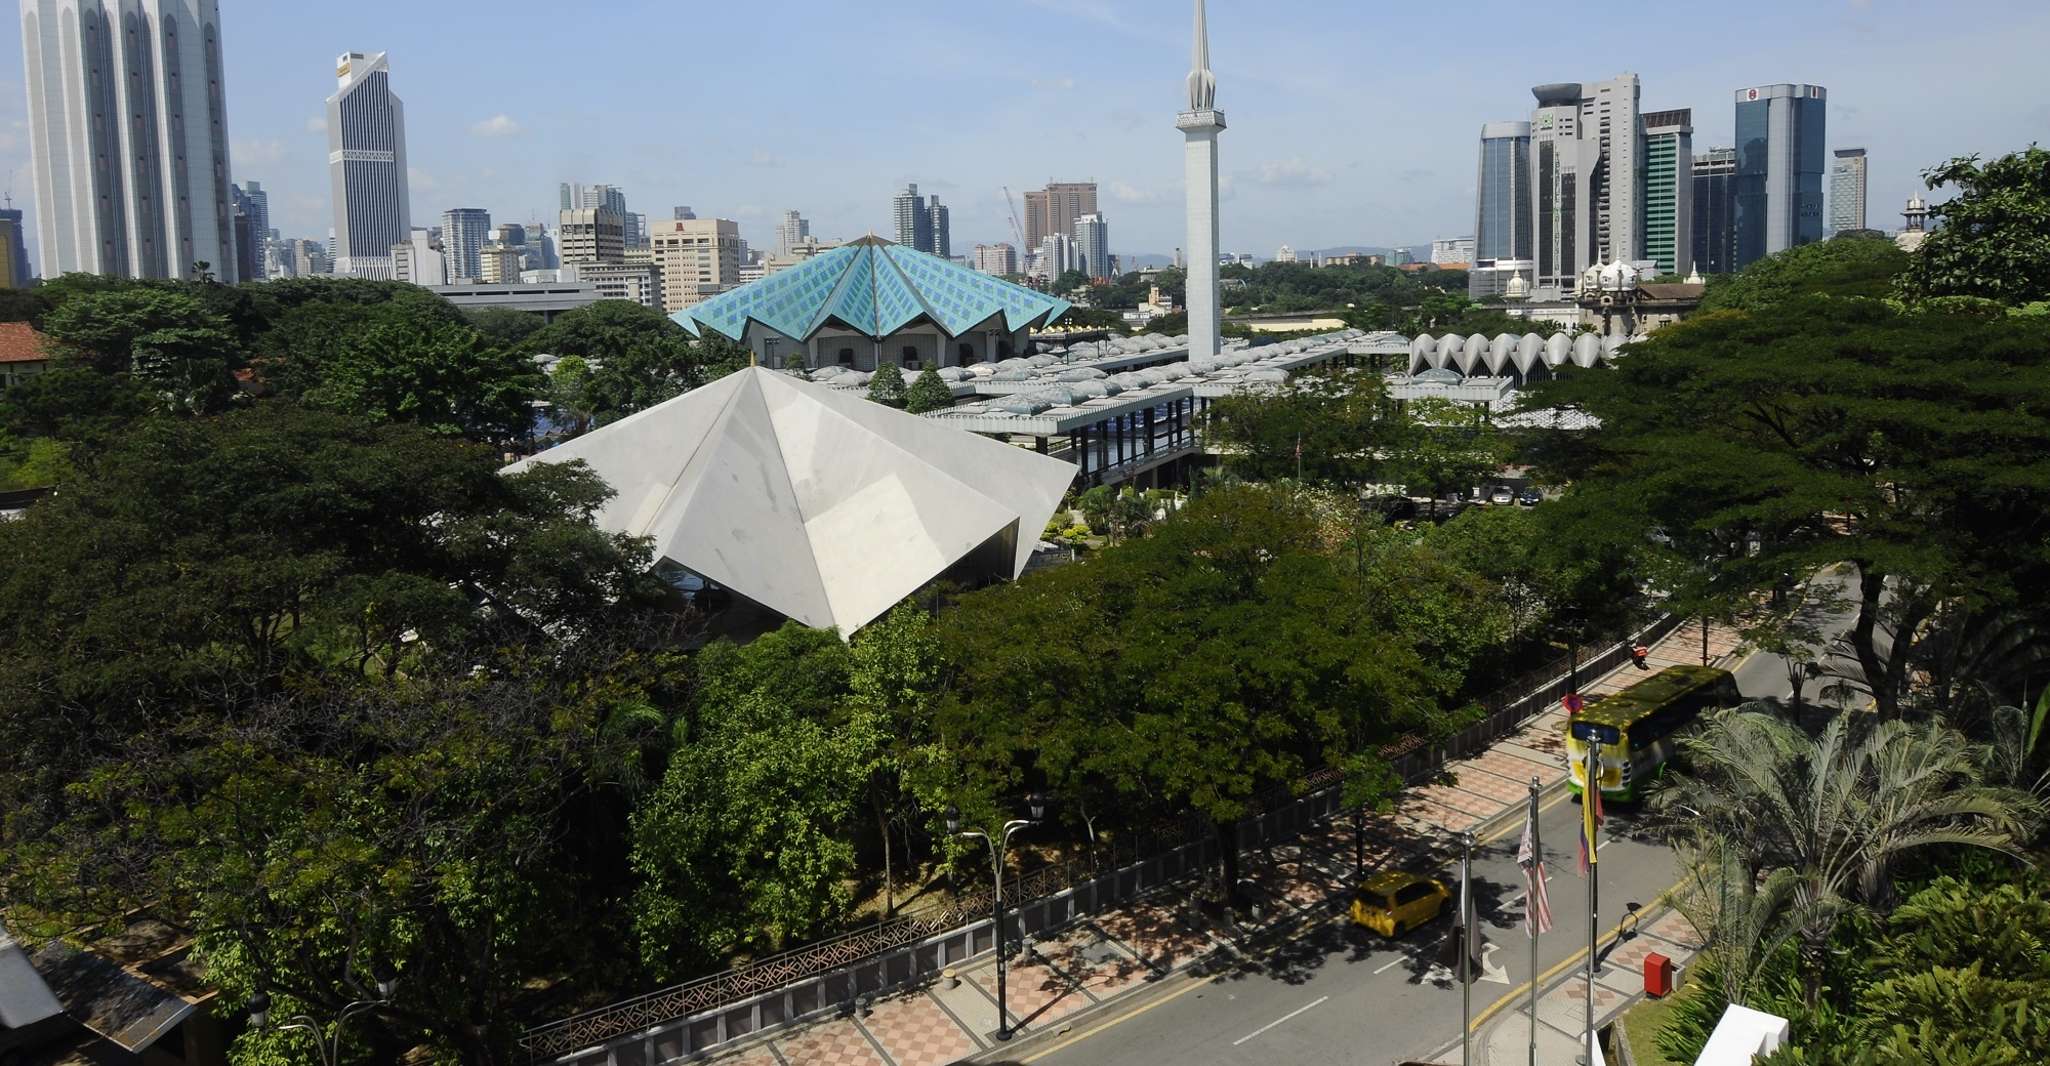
(1200, 125)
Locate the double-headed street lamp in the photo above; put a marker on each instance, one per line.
(327, 1038)
(1036, 803)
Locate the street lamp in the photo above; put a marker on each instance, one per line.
(327, 1039)
(1036, 803)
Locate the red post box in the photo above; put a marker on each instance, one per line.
(1658, 975)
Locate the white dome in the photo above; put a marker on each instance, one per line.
(1518, 288)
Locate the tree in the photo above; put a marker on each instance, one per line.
(1844, 266)
(569, 390)
(300, 325)
(638, 357)
(1837, 810)
(1325, 428)
(928, 393)
(443, 376)
(505, 327)
(1070, 281)
(888, 717)
(1994, 241)
(1826, 431)
(164, 337)
(886, 387)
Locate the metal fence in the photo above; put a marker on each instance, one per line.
(827, 975)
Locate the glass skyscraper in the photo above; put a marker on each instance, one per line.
(1780, 163)
(1847, 190)
(1501, 227)
(1669, 189)
(1715, 234)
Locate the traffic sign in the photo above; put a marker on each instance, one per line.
(1573, 703)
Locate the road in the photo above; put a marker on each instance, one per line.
(1337, 994)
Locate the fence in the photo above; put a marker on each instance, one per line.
(827, 975)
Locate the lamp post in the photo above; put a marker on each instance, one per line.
(326, 1038)
(1036, 803)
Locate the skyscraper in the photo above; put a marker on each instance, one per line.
(791, 233)
(1780, 160)
(999, 259)
(940, 221)
(633, 227)
(128, 136)
(248, 245)
(1587, 166)
(255, 203)
(1092, 246)
(1715, 231)
(366, 162)
(1055, 208)
(591, 235)
(1502, 201)
(1669, 190)
(1847, 190)
(698, 257)
(464, 232)
(14, 272)
(1200, 125)
(914, 226)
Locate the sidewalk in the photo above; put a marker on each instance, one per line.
(1562, 1003)
(1114, 955)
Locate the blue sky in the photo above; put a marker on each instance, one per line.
(1352, 121)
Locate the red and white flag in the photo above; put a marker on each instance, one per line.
(1537, 908)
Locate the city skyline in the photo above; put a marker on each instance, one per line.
(1399, 174)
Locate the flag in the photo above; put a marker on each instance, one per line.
(1537, 907)
(1465, 929)
(1590, 813)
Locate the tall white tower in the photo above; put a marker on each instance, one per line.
(366, 162)
(128, 135)
(1200, 125)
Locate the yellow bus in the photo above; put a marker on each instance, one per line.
(1645, 716)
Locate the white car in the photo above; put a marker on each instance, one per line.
(1502, 497)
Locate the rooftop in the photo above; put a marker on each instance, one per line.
(873, 287)
(20, 343)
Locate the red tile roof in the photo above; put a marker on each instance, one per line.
(20, 343)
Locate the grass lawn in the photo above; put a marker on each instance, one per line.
(1643, 1023)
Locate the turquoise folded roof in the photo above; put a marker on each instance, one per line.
(875, 287)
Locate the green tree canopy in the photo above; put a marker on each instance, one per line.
(1848, 265)
(637, 356)
(886, 387)
(1994, 237)
(928, 393)
(441, 375)
(166, 338)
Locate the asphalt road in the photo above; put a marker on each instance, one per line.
(1338, 994)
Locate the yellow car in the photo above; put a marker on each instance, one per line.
(1393, 902)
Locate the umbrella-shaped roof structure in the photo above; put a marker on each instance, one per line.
(818, 504)
(874, 287)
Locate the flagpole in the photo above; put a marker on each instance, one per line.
(1466, 924)
(1530, 910)
(1590, 790)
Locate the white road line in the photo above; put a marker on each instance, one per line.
(1278, 1021)
(1392, 963)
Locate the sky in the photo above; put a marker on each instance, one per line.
(1352, 122)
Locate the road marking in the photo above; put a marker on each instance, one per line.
(1391, 964)
(1510, 997)
(1125, 1017)
(1278, 1021)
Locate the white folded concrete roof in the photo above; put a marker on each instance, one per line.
(814, 502)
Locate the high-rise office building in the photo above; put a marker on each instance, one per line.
(1502, 201)
(1056, 256)
(591, 235)
(464, 232)
(913, 215)
(14, 271)
(1669, 190)
(1780, 161)
(255, 205)
(698, 257)
(500, 264)
(940, 221)
(790, 233)
(1092, 246)
(683, 213)
(1055, 208)
(128, 137)
(1587, 164)
(1847, 190)
(633, 227)
(999, 259)
(1451, 252)
(1715, 231)
(366, 156)
(248, 239)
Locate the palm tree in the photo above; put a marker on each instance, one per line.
(1839, 809)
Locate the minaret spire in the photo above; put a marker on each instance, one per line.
(1202, 83)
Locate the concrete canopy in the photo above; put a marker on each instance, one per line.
(818, 504)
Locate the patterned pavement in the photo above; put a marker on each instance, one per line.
(838, 1042)
(914, 1031)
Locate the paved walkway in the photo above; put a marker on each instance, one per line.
(1112, 955)
(1562, 1004)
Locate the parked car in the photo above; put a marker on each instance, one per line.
(1502, 496)
(1393, 902)
(1530, 497)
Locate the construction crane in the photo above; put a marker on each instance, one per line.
(1017, 230)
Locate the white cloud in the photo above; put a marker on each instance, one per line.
(1126, 193)
(499, 125)
(420, 180)
(317, 124)
(263, 151)
(1292, 174)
